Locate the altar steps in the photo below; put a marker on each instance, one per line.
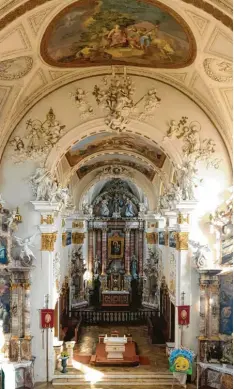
(116, 380)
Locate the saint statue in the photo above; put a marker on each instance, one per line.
(129, 212)
(104, 210)
(134, 267)
(97, 265)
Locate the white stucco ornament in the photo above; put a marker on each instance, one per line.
(40, 138)
(46, 188)
(26, 255)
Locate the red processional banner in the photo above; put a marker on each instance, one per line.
(47, 318)
(183, 315)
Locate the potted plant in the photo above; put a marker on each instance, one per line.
(64, 357)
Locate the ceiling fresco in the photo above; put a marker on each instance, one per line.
(107, 141)
(109, 32)
(146, 170)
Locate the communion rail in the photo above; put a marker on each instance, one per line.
(120, 317)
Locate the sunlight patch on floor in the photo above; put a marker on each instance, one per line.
(90, 374)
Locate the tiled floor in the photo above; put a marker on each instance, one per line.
(156, 355)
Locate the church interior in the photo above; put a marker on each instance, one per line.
(116, 194)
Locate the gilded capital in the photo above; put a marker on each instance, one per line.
(47, 241)
(182, 241)
(14, 286)
(78, 237)
(152, 237)
(77, 224)
(181, 219)
(49, 219)
(26, 285)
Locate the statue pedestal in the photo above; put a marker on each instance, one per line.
(70, 347)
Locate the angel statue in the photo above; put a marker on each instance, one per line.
(11, 220)
(26, 254)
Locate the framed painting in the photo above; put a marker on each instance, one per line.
(109, 32)
(115, 247)
(227, 245)
(226, 304)
(5, 249)
(5, 300)
(161, 238)
(172, 240)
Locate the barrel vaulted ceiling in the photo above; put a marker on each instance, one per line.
(26, 74)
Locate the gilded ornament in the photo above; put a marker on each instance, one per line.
(49, 219)
(64, 238)
(152, 237)
(18, 217)
(26, 285)
(77, 224)
(156, 224)
(48, 240)
(78, 237)
(14, 286)
(181, 219)
(182, 240)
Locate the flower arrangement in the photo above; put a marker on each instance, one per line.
(64, 354)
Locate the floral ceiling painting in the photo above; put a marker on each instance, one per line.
(109, 32)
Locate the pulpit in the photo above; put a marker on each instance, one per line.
(115, 347)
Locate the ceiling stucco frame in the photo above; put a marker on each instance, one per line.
(72, 78)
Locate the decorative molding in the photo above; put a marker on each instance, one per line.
(14, 41)
(218, 70)
(77, 224)
(48, 240)
(200, 22)
(15, 68)
(78, 237)
(49, 219)
(181, 241)
(201, 4)
(37, 19)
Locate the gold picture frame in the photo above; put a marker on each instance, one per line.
(115, 247)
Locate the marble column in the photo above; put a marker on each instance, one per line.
(50, 224)
(183, 271)
(127, 251)
(99, 244)
(140, 251)
(104, 250)
(27, 332)
(90, 250)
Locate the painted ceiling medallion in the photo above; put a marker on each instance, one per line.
(15, 68)
(109, 32)
(218, 70)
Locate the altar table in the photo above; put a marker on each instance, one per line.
(115, 347)
(115, 298)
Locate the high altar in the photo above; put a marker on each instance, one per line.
(115, 244)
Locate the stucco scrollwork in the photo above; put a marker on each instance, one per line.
(80, 99)
(114, 171)
(218, 70)
(40, 138)
(116, 98)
